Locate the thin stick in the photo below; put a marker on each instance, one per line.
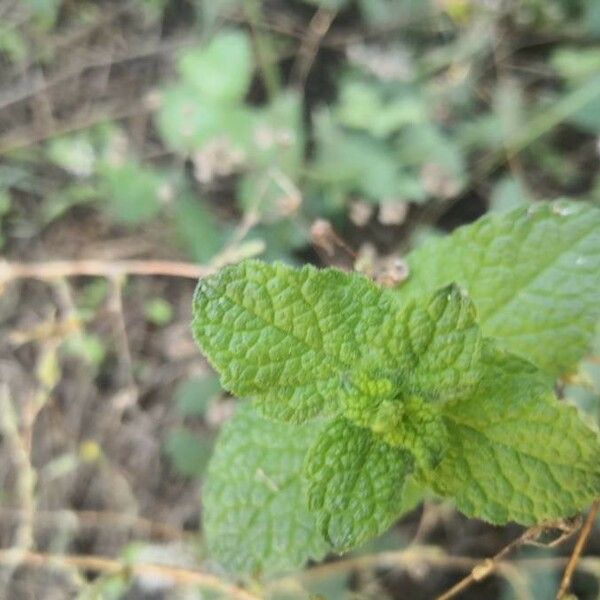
(265, 56)
(23, 137)
(431, 555)
(56, 269)
(20, 93)
(487, 567)
(317, 29)
(586, 530)
(10, 271)
(93, 518)
(100, 564)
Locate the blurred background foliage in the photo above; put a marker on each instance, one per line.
(213, 130)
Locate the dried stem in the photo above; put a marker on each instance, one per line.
(25, 478)
(10, 271)
(487, 567)
(586, 530)
(97, 519)
(435, 556)
(100, 564)
(265, 54)
(57, 269)
(317, 29)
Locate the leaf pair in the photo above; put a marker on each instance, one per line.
(405, 390)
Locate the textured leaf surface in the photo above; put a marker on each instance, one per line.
(533, 274)
(255, 513)
(294, 339)
(355, 483)
(285, 335)
(514, 452)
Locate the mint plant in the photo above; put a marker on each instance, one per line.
(364, 397)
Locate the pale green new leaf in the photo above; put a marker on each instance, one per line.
(533, 274)
(444, 340)
(514, 452)
(255, 514)
(355, 483)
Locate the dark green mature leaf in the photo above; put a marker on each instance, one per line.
(533, 274)
(355, 483)
(514, 452)
(413, 390)
(255, 514)
(282, 334)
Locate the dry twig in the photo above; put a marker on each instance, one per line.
(88, 519)
(11, 271)
(317, 29)
(25, 475)
(487, 567)
(100, 564)
(586, 530)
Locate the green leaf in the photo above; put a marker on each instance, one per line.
(514, 452)
(158, 311)
(220, 71)
(12, 43)
(189, 453)
(576, 63)
(132, 191)
(355, 483)
(300, 341)
(255, 514)
(278, 135)
(533, 274)
(507, 194)
(197, 227)
(208, 102)
(437, 158)
(362, 107)
(437, 359)
(195, 395)
(45, 12)
(187, 121)
(410, 386)
(74, 153)
(347, 163)
(286, 335)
